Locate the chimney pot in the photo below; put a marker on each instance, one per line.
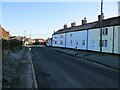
(101, 17)
(65, 26)
(73, 24)
(84, 21)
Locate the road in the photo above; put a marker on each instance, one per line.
(54, 69)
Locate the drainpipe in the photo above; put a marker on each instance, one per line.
(87, 41)
(113, 39)
(65, 39)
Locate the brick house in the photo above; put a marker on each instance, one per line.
(4, 34)
(40, 41)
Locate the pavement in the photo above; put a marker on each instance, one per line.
(54, 69)
(25, 72)
(104, 59)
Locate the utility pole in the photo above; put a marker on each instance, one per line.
(101, 25)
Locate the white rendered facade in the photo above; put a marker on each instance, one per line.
(58, 40)
(93, 39)
(89, 39)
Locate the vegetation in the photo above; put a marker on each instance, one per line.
(9, 62)
(11, 44)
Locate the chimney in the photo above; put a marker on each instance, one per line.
(100, 17)
(73, 24)
(65, 26)
(84, 21)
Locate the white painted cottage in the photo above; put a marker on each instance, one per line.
(87, 36)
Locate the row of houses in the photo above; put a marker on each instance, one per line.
(87, 36)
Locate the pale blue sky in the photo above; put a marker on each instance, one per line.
(41, 19)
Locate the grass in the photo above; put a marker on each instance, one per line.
(9, 67)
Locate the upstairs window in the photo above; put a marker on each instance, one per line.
(61, 36)
(105, 31)
(55, 37)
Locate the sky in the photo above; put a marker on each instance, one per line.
(41, 19)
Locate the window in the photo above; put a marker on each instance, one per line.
(104, 43)
(70, 35)
(105, 31)
(55, 42)
(71, 42)
(61, 36)
(76, 43)
(83, 42)
(61, 42)
(55, 37)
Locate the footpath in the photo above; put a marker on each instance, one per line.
(103, 59)
(24, 76)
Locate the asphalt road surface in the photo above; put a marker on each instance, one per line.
(54, 69)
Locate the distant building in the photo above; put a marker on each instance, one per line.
(29, 41)
(4, 34)
(20, 38)
(39, 41)
(87, 36)
(49, 42)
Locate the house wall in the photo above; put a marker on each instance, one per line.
(4, 34)
(75, 40)
(54, 38)
(93, 39)
(71, 39)
(109, 38)
(58, 38)
(82, 38)
(117, 39)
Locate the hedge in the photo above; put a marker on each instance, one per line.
(11, 44)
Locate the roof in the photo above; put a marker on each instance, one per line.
(109, 22)
(105, 23)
